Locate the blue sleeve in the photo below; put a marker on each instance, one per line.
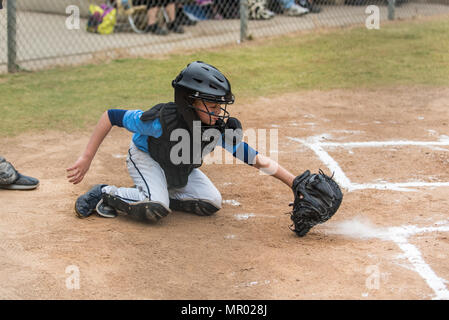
(131, 121)
(245, 153)
(241, 151)
(116, 116)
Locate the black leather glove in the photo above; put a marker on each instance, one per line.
(317, 198)
(233, 132)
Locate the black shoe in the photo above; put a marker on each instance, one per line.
(196, 206)
(188, 22)
(22, 183)
(175, 27)
(142, 210)
(86, 204)
(183, 19)
(155, 29)
(105, 210)
(312, 7)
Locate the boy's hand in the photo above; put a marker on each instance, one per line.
(78, 170)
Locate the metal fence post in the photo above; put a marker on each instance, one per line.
(391, 5)
(11, 35)
(243, 20)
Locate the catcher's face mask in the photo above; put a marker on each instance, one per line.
(209, 112)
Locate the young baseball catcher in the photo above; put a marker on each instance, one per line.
(167, 176)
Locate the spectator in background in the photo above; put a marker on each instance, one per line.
(310, 5)
(257, 10)
(290, 8)
(210, 8)
(202, 10)
(228, 9)
(182, 18)
(154, 6)
(214, 9)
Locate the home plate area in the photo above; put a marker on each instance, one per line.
(385, 165)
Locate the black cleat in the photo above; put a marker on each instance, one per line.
(86, 204)
(105, 211)
(175, 27)
(155, 29)
(142, 210)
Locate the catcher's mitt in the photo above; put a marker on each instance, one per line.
(317, 198)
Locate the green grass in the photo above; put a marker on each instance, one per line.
(406, 53)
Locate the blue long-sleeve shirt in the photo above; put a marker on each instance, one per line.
(130, 120)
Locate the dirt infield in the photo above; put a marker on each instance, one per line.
(389, 240)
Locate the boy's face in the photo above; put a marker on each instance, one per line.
(209, 107)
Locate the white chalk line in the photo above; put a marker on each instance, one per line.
(232, 202)
(316, 144)
(399, 236)
(339, 175)
(414, 256)
(399, 186)
(374, 144)
(119, 156)
(246, 216)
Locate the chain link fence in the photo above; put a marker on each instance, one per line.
(39, 34)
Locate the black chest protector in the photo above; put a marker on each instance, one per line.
(160, 148)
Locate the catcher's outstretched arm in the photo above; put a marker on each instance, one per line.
(76, 173)
(271, 167)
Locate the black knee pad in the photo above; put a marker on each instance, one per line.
(197, 206)
(144, 210)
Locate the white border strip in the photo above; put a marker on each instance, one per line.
(316, 144)
(374, 144)
(422, 268)
(399, 235)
